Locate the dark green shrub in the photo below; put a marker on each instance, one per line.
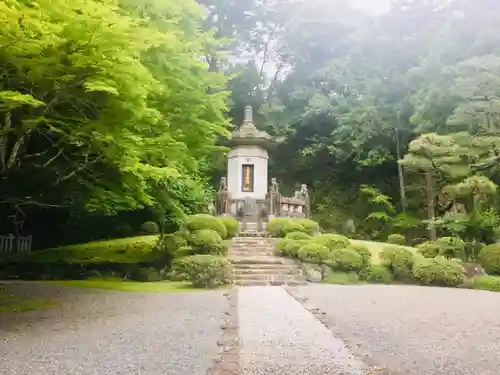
(231, 224)
(429, 249)
(205, 271)
(144, 274)
(363, 251)
(167, 247)
(345, 260)
(207, 241)
(150, 227)
(274, 227)
(204, 221)
(310, 226)
(298, 236)
(491, 283)
(396, 239)
(332, 241)
(376, 274)
(489, 258)
(399, 261)
(439, 271)
(472, 250)
(452, 247)
(315, 253)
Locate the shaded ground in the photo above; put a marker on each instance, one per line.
(103, 332)
(415, 330)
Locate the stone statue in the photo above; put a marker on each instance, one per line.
(274, 198)
(223, 200)
(303, 194)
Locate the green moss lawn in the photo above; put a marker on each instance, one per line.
(122, 250)
(129, 286)
(377, 247)
(15, 303)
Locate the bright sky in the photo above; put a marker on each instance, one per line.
(375, 6)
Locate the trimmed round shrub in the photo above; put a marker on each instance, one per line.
(206, 241)
(396, 239)
(313, 253)
(144, 274)
(345, 260)
(362, 250)
(332, 241)
(292, 247)
(491, 283)
(429, 249)
(376, 274)
(231, 224)
(280, 246)
(439, 272)
(274, 227)
(298, 236)
(489, 258)
(451, 247)
(291, 227)
(150, 227)
(204, 221)
(205, 271)
(399, 261)
(310, 226)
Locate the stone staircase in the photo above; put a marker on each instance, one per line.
(255, 264)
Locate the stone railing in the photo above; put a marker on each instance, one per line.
(260, 209)
(292, 207)
(9, 244)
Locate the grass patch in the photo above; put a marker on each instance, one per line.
(130, 286)
(14, 303)
(491, 283)
(342, 278)
(377, 247)
(122, 250)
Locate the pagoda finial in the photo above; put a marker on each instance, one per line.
(248, 114)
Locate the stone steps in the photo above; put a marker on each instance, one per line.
(255, 264)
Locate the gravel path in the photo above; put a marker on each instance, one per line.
(415, 330)
(279, 337)
(118, 333)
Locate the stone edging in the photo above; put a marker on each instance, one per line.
(327, 322)
(228, 360)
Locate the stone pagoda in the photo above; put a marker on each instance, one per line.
(246, 192)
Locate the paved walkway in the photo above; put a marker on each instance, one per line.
(403, 329)
(112, 333)
(279, 337)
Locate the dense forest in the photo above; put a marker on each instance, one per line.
(112, 112)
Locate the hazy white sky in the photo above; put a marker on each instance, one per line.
(375, 6)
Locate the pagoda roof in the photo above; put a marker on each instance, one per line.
(248, 134)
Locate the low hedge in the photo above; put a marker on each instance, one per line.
(204, 271)
(310, 226)
(345, 260)
(364, 252)
(298, 236)
(399, 261)
(439, 271)
(429, 249)
(203, 221)
(451, 247)
(206, 241)
(150, 227)
(314, 253)
(231, 224)
(396, 239)
(376, 274)
(332, 241)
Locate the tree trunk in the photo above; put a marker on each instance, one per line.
(402, 190)
(431, 209)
